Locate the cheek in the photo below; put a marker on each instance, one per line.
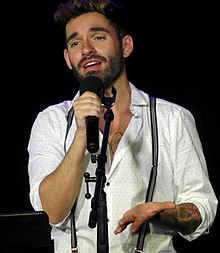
(72, 60)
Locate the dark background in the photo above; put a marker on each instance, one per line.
(174, 58)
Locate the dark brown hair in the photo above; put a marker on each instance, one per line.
(114, 12)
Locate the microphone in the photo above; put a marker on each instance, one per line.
(93, 84)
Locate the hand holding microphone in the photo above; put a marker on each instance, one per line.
(95, 85)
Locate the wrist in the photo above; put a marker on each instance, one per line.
(80, 138)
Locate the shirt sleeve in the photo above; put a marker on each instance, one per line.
(45, 149)
(191, 179)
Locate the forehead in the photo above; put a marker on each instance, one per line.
(86, 21)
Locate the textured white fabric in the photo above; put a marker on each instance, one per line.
(182, 172)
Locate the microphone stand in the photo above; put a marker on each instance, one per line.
(98, 214)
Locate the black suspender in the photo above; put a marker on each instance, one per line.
(144, 229)
(74, 246)
(149, 196)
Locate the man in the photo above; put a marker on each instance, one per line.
(97, 44)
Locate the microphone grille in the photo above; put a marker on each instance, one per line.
(93, 84)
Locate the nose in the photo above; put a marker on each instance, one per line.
(87, 48)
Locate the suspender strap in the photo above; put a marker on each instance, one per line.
(74, 247)
(69, 119)
(154, 132)
(144, 229)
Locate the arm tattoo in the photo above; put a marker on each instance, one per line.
(185, 218)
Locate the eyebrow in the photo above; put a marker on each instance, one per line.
(93, 29)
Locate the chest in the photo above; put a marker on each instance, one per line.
(117, 129)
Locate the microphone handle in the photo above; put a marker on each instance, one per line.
(92, 134)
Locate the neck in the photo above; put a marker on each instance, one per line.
(123, 96)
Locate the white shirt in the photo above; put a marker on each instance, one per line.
(181, 174)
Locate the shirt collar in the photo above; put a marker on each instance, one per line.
(138, 99)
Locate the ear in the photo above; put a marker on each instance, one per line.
(67, 59)
(127, 45)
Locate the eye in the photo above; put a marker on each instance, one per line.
(74, 43)
(99, 37)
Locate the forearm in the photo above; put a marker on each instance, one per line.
(59, 190)
(185, 218)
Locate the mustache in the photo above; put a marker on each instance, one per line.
(92, 56)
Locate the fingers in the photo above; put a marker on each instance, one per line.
(119, 229)
(136, 225)
(141, 213)
(124, 222)
(88, 104)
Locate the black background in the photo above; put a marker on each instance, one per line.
(175, 58)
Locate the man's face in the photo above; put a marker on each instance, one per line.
(93, 48)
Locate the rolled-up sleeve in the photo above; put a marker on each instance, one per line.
(45, 149)
(192, 184)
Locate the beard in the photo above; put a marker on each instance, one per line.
(108, 76)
